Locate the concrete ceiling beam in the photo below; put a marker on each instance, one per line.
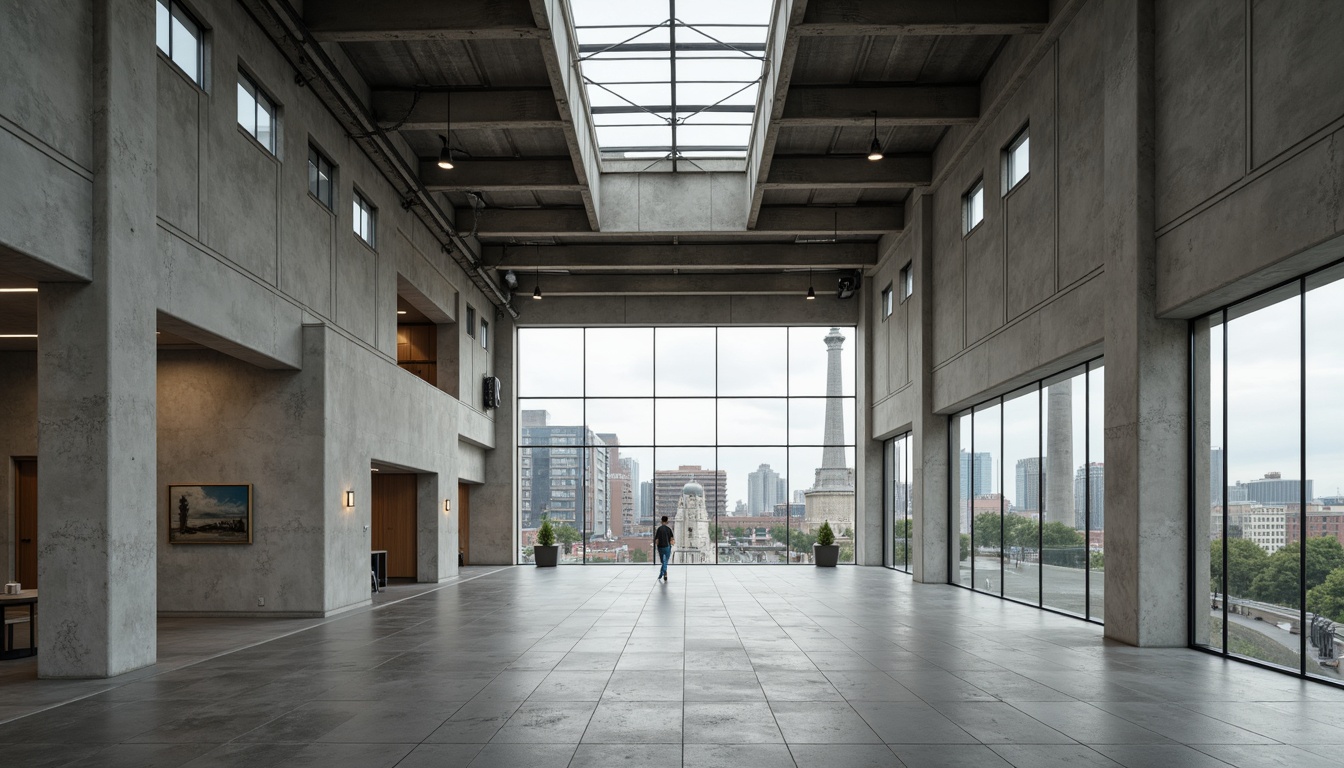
(693, 256)
(680, 285)
(895, 105)
(817, 221)
(355, 21)
(476, 109)
(892, 172)
(500, 175)
(861, 18)
(809, 221)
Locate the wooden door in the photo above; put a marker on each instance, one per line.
(393, 522)
(25, 522)
(464, 522)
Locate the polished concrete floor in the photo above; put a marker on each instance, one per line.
(723, 666)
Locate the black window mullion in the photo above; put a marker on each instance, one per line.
(1040, 493)
(1302, 479)
(1227, 330)
(1087, 491)
(1003, 533)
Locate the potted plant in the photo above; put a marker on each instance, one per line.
(825, 553)
(547, 552)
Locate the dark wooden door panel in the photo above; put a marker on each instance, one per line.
(25, 522)
(393, 522)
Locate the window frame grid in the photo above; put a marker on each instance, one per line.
(1020, 138)
(1085, 368)
(1303, 287)
(363, 208)
(788, 520)
(180, 16)
(968, 206)
(260, 98)
(316, 160)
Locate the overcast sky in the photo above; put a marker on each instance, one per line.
(753, 369)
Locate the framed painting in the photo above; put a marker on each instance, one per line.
(207, 513)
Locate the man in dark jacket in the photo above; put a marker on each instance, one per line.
(662, 539)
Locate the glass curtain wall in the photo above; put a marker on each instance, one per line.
(896, 466)
(1027, 481)
(743, 437)
(1267, 472)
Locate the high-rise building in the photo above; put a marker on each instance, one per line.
(765, 489)
(1028, 498)
(646, 503)
(979, 466)
(1215, 477)
(1089, 487)
(668, 483)
(563, 474)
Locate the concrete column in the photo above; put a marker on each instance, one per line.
(494, 526)
(1145, 398)
(1059, 453)
(869, 492)
(931, 545)
(96, 373)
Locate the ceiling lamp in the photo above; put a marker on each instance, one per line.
(446, 153)
(811, 294)
(874, 149)
(536, 292)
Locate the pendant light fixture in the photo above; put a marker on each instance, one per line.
(811, 294)
(875, 149)
(536, 292)
(446, 153)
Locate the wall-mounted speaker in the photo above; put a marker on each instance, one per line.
(494, 392)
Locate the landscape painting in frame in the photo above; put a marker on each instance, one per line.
(209, 514)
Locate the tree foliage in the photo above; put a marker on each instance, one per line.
(567, 534)
(1246, 560)
(639, 556)
(1327, 597)
(546, 533)
(825, 536)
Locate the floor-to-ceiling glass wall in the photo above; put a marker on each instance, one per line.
(1268, 469)
(1026, 482)
(743, 437)
(897, 485)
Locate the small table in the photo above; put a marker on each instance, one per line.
(27, 597)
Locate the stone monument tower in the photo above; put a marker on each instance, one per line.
(691, 528)
(832, 494)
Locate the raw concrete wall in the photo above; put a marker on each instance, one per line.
(46, 137)
(224, 421)
(18, 439)
(1018, 296)
(1249, 145)
(378, 412)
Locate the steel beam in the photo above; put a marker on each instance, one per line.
(807, 221)
(696, 257)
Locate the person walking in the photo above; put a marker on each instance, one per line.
(662, 539)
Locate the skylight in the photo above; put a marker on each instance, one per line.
(672, 79)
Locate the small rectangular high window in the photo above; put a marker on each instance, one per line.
(321, 178)
(179, 37)
(471, 321)
(907, 282)
(485, 334)
(256, 112)
(1016, 161)
(973, 207)
(886, 301)
(365, 218)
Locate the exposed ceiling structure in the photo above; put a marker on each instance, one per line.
(508, 88)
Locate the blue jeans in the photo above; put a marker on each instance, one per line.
(665, 553)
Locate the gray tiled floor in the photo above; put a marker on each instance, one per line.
(724, 666)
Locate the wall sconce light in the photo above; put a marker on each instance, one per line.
(349, 498)
(447, 506)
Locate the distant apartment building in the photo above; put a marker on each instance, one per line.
(1266, 526)
(668, 484)
(1028, 497)
(765, 489)
(563, 474)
